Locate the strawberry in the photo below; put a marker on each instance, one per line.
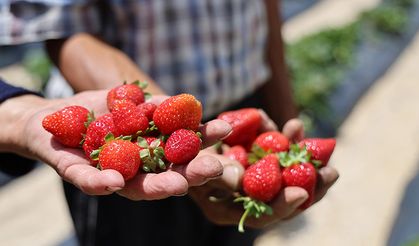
(245, 123)
(177, 112)
(147, 109)
(122, 156)
(299, 171)
(182, 146)
(262, 181)
(320, 148)
(67, 125)
(303, 175)
(153, 141)
(127, 118)
(238, 153)
(131, 92)
(272, 142)
(96, 133)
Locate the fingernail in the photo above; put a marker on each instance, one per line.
(113, 189)
(217, 176)
(227, 135)
(231, 176)
(182, 194)
(296, 203)
(227, 128)
(329, 177)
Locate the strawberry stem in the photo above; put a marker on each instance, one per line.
(252, 208)
(242, 219)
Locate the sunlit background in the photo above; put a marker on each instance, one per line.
(354, 65)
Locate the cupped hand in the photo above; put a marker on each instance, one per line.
(215, 198)
(72, 165)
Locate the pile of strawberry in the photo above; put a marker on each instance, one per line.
(271, 161)
(135, 135)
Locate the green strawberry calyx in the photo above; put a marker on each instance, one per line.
(151, 155)
(109, 137)
(296, 155)
(90, 119)
(143, 85)
(252, 207)
(257, 153)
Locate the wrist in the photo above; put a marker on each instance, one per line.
(15, 114)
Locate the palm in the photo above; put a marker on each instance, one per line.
(285, 205)
(73, 167)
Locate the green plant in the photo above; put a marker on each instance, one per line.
(386, 18)
(414, 242)
(317, 63)
(402, 3)
(38, 64)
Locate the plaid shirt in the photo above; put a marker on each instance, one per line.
(213, 49)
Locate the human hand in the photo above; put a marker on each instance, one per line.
(33, 141)
(216, 197)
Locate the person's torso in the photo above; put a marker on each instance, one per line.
(213, 49)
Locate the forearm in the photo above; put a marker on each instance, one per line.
(277, 96)
(88, 63)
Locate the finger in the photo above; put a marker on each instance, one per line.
(267, 123)
(214, 131)
(326, 178)
(288, 201)
(92, 181)
(73, 167)
(157, 99)
(283, 206)
(220, 211)
(200, 170)
(152, 186)
(231, 179)
(93, 100)
(294, 130)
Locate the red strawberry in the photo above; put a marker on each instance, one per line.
(151, 139)
(320, 148)
(127, 118)
(272, 142)
(245, 123)
(238, 153)
(262, 180)
(147, 109)
(182, 146)
(302, 175)
(131, 92)
(122, 156)
(67, 125)
(96, 133)
(182, 111)
(298, 171)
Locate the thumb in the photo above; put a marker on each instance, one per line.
(213, 131)
(232, 176)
